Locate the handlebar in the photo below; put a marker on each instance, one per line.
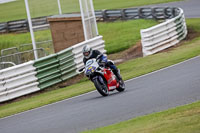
(81, 70)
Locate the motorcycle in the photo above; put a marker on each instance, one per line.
(102, 77)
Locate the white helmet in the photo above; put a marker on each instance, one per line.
(87, 51)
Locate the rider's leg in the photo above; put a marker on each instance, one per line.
(115, 70)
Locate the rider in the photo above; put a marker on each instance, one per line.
(88, 53)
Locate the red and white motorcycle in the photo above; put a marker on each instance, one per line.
(102, 77)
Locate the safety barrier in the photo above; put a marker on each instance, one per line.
(59, 67)
(67, 65)
(164, 35)
(48, 72)
(17, 81)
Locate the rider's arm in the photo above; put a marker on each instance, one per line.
(101, 57)
(97, 52)
(84, 61)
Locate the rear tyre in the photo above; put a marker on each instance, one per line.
(121, 86)
(101, 87)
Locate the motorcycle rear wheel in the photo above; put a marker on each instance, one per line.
(101, 88)
(121, 86)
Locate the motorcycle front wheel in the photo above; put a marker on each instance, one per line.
(101, 86)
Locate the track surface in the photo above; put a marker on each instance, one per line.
(171, 87)
(191, 8)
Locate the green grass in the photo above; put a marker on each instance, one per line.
(14, 40)
(125, 33)
(130, 69)
(184, 119)
(17, 40)
(16, 10)
(122, 34)
(193, 24)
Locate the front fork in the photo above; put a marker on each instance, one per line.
(100, 79)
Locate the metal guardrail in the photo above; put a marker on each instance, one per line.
(55, 68)
(164, 35)
(20, 26)
(67, 65)
(17, 81)
(48, 72)
(158, 13)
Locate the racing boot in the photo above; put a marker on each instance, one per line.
(116, 72)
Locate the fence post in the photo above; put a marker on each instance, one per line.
(153, 13)
(105, 18)
(7, 27)
(140, 13)
(27, 25)
(123, 14)
(166, 14)
(174, 12)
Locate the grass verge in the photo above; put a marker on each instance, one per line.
(16, 10)
(184, 119)
(121, 35)
(129, 69)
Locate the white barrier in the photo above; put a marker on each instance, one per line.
(164, 35)
(23, 90)
(17, 81)
(20, 80)
(16, 70)
(2, 87)
(95, 43)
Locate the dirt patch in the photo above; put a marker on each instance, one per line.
(191, 35)
(131, 53)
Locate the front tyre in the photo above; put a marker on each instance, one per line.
(101, 86)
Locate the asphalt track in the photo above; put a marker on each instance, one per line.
(167, 88)
(191, 8)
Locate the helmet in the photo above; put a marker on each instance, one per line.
(87, 51)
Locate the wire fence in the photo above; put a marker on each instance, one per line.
(19, 57)
(23, 53)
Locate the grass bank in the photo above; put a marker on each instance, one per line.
(121, 35)
(129, 69)
(184, 119)
(16, 10)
